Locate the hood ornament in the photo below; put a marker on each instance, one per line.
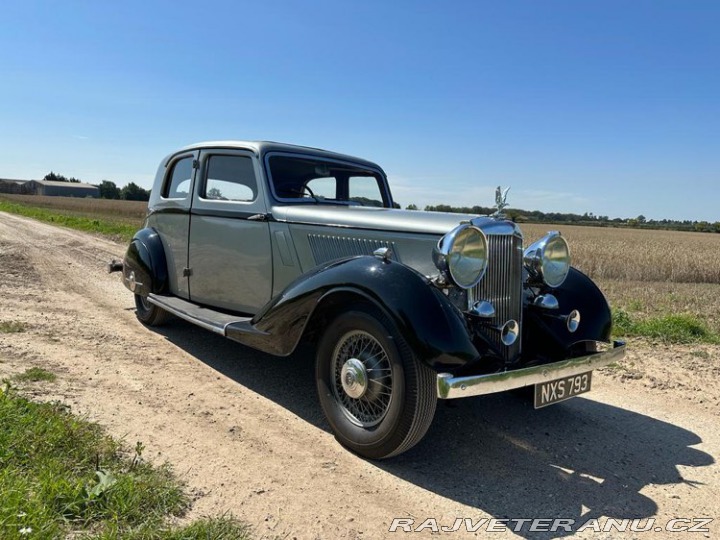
(500, 202)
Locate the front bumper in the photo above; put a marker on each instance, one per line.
(449, 387)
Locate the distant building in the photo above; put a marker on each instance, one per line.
(8, 185)
(61, 189)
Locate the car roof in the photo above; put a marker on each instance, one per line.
(263, 147)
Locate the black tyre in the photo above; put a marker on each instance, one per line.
(148, 313)
(378, 398)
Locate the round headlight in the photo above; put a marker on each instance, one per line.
(549, 259)
(461, 255)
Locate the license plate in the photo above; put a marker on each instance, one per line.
(558, 390)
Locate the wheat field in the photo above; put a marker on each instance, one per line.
(647, 273)
(639, 255)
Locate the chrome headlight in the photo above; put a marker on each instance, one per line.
(462, 255)
(548, 259)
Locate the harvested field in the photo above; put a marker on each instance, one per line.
(125, 210)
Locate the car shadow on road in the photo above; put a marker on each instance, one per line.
(577, 460)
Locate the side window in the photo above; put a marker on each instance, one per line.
(323, 188)
(365, 190)
(230, 178)
(177, 185)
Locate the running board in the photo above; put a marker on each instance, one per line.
(206, 318)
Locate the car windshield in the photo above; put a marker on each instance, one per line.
(320, 181)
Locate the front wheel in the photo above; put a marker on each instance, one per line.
(148, 313)
(378, 398)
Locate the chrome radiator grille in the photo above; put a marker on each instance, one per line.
(502, 286)
(328, 248)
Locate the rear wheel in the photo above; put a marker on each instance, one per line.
(148, 313)
(378, 398)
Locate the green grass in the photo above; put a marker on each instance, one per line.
(674, 328)
(115, 229)
(12, 327)
(35, 374)
(61, 476)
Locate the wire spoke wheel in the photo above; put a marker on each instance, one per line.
(378, 398)
(362, 378)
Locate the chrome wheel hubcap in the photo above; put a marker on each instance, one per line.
(354, 378)
(362, 378)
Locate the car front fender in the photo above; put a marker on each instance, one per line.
(545, 333)
(431, 326)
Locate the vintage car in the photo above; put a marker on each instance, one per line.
(269, 244)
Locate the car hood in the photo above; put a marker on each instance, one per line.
(366, 217)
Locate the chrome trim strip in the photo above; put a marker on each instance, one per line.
(449, 387)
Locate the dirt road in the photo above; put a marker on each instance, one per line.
(245, 431)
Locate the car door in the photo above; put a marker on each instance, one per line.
(229, 252)
(171, 217)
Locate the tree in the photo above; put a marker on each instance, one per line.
(214, 193)
(133, 192)
(52, 177)
(108, 190)
(411, 207)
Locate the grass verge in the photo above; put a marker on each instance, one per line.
(674, 328)
(61, 476)
(108, 227)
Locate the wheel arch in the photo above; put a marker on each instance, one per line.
(332, 304)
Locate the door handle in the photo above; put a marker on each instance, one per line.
(258, 217)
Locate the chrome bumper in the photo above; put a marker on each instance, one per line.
(449, 387)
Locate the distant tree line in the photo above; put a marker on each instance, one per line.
(108, 189)
(52, 177)
(130, 192)
(588, 218)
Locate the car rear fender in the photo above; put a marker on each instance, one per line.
(144, 265)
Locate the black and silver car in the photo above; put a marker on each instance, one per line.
(269, 244)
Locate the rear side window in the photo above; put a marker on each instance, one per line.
(230, 178)
(177, 185)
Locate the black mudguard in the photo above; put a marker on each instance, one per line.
(546, 336)
(425, 318)
(145, 257)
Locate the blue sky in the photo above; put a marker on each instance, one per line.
(608, 107)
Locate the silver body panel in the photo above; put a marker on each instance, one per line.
(370, 218)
